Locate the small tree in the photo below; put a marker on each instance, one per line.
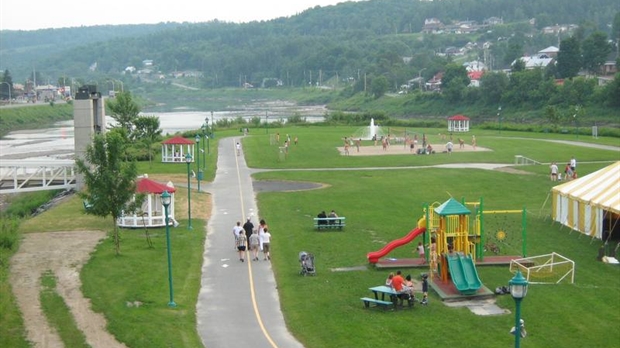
(124, 110)
(109, 178)
(147, 132)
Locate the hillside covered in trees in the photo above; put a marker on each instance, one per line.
(372, 46)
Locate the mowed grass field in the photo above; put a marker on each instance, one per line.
(382, 198)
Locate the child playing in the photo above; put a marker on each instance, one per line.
(424, 289)
(388, 281)
(421, 252)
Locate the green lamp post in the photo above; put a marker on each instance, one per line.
(165, 201)
(198, 170)
(188, 160)
(499, 119)
(518, 290)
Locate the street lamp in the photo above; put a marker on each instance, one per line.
(212, 126)
(165, 200)
(266, 123)
(576, 124)
(206, 134)
(518, 290)
(198, 170)
(499, 119)
(9, 88)
(188, 160)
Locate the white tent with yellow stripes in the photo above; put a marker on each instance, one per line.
(591, 204)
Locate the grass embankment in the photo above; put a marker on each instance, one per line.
(20, 206)
(380, 206)
(33, 117)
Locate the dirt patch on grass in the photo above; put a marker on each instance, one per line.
(63, 253)
(400, 149)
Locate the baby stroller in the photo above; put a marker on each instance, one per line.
(307, 264)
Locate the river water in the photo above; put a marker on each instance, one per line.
(57, 142)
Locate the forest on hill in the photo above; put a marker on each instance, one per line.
(372, 46)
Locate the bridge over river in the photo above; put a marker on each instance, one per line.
(36, 175)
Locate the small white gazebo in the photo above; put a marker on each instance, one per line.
(458, 123)
(151, 214)
(175, 149)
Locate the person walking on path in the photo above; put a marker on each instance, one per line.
(237, 230)
(266, 244)
(254, 244)
(242, 242)
(248, 227)
(262, 226)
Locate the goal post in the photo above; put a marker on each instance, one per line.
(545, 269)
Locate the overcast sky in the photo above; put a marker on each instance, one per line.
(39, 14)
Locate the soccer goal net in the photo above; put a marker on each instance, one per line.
(545, 269)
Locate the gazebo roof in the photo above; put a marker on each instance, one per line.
(452, 207)
(178, 140)
(459, 118)
(145, 185)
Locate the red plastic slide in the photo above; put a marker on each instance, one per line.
(374, 256)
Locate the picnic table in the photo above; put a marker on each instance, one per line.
(395, 299)
(329, 223)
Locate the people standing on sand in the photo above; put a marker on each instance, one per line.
(346, 146)
(358, 143)
(473, 141)
(449, 147)
(461, 143)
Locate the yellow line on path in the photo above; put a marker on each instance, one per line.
(252, 291)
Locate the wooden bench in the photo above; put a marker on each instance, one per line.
(378, 303)
(329, 223)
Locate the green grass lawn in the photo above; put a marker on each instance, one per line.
(380, 206)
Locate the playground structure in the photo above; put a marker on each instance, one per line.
(455, 242)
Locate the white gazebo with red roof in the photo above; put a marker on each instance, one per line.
(175, 149)
(151, 214)
(458, 123)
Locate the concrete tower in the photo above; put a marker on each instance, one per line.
(88, 120)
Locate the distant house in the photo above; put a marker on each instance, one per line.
(474, 78)
(493, 21)
(609, 68)
(536, 61)
(434, 84)
(550, 51)
(147, 62)
(557, 29)
(130, 70)
(432, 26)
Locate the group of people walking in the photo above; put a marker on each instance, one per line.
(248, 238)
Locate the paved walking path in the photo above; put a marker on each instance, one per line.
(238, 304)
